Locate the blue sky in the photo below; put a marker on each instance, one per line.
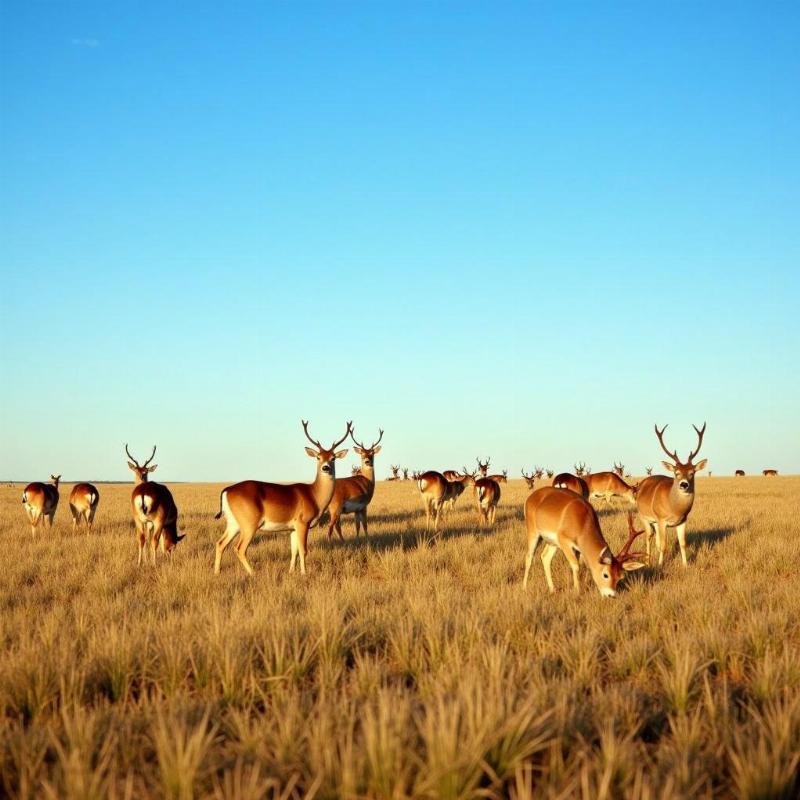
(528, 231)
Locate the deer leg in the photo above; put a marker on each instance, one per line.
(661, 539)
(75, 517)
(240, 548)
(575, 566)
(230, 534)
(301, 534)
(35, 517)
(153, 543)
(90, 518)
(334, 512)
(681, 531)
(338, 530)
(295, 547)
(547, 558)
(529, 558)
(142, 538)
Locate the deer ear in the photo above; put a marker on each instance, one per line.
(340, 454)
(606, 557)
(376, 450)
(669, 466)
(632, 566)
(153, 468)
(701, 465)
(358, 450)
(311, 452)
(132, 466)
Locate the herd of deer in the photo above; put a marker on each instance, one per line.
(559, 513)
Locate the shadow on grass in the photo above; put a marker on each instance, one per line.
(710, 537)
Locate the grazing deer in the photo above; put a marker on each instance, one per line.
(483, 467)
(353, 495)
(501, 478)
(155, 514)
(41, 500)
(575, 483)
(607, 486)
(769, 473)
(568, 523)
(250, 506)
(83, 501)
(487, 496)
(665, 502)
(649, 470)
(739, 473)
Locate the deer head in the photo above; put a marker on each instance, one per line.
(326, 456)
(141, 471)
(483, 467)
(683, 472)
(611, 569)
(367, 454)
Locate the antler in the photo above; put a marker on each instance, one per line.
(141, 466)
(625, 554)
(130, 456)
(346, 434)
(373, 445)
(674, 454)
(700, 432)
(308, 435)
(525, 475)
(152, 455)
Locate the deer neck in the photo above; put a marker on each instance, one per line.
(680, 502)
(368, 472)
(322, 489)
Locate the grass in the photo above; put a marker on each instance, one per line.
(397, 669)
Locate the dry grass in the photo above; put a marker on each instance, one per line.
(396, 669)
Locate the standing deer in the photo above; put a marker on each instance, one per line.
(83, 501)
(487, 496)
(355, 470)
(250, 506)
(550, 473)
(581, 469)
(665, 502)
(530, 479)
(353, 495)
(483, 467)
(155, 514)
(619, 469)
(451, 474)
(41, 500)
(568, 523)
(440, 494)
(501, 478)
(608, 485)
(649, 470)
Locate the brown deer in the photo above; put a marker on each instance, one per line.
(769, 473)
(83, 501)
(251, 506)
(483, 467)
(501, 478)
(608, 486)
(395, 476)
(405, 473)
(451, 474)
(355, 470)
(155, 514)
(739, 473)
(530, 480)
(353, 495)
(569, 523)
(40, 500)
(575, 483)
(487, 496)
(665, 502)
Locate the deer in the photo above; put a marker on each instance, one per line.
(608, 485)
(648, 470)
(569, 523)
(550, 473)
(530, 480)
(483, 467)
(440, 494)
(769, 473)
(581, 469)
(739, 473)
(155, 514)
(40, 500)
(355, 470)
(501, 478)
(353, 495)
(619, 469)
(395, 476)
(575, 483)
(83, 501)
(665, 502)
(487, 496)
(250, 506)
(451, 474)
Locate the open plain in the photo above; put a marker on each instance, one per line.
(398, 669)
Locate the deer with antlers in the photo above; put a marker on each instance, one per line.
(40, 501)
(483, 467)
(487, 496)
(665, 502)
(439, 494)
(83, 501)
(155, 514)
(649, 470)
(355, 470)
(531, 479)
(395, 476)
(251, 506)
(451, 474)
(353, 495)
(581, 469)
(569, 523)
(501, 478)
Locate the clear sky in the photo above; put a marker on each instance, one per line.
(527, 231)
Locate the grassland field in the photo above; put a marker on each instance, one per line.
(398, 669)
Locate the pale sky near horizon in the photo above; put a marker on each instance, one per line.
(517, 230)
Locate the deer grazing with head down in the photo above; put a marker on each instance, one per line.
(569, 523)
(665, 502)
(155, 514)
(353, 495)
(83, 501)
(41, 500)
(608, 486)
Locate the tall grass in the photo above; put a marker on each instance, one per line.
(397, 668)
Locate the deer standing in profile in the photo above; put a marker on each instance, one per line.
(40, 500)
(353, 495)
(155, 514)
(83, 501)
(607, 486)
(569, 523)
(665, 502)
(251, 506)
(501, 478)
